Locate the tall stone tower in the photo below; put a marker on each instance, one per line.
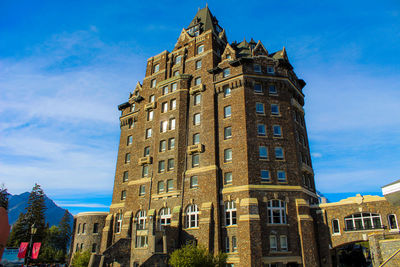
(213, 150)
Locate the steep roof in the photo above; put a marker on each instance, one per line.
(205, 18)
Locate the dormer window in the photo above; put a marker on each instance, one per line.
(178, 60)
(196, 33)
(176, 73)
(257, 68)
(228, 56)
(270, 70)
(226, 72)
(156, 68)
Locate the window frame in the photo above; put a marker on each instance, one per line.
(276, 213)
(228, 155)
(227, 112)
(226, 180)
(264, 129)
(258, 110)
(197, 119)
(226, 136)
(192, 216)
(230, 212)
(277, 153)
(265, 179)
(263, 152)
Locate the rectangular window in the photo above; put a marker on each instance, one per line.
(283, 241)
(227, 91)
(160, 187)
(277, 130)
(131, 124)
(156, 67)
(146, 151)
(152, 98)
(274, 109)
(161, 166)
(281, 176)
(163, 126)
(127, 158)
(176, 73)
(257, 68)
(163, 145)
(173, 104)
(196, 119)
(195, 160)
(145, 170)
(178, 60)
(263, 152)
(260, 108)
(125, 177)
(257, 88)
(198, 64)
(172, 124)
(234, 244)
(197, 99)
(165, 90)
(226, 72)
(141, 241)
(170, 185)
(174, 86)
(153, 83)
(148, 133)
(129, 140)
(261, 130)
(197, 81)
(392, 222)
(133, 107)
(123, 195)
(95, 228)
(273, 246)
(272, 90)
(265, 177)
(278, 153)
(270, 70)
(228, 178)
(227, 250)
(193, 182)
(142, 190)
(196, 139)
(150, 115)
(94, 245)
(171, 143)
(227, 112)
(164, 107)
(171, 164)
(228, 132)
(200, 49)
(336, 227)
(228, 155)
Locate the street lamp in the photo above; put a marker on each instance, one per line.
(29, 251)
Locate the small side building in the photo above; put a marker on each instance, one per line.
(87, 231)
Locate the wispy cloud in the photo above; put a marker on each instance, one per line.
(81, 205)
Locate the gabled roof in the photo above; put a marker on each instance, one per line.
(204, 17)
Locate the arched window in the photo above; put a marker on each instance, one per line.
(141, 219)
(363, 221)
(118, 222)
(192, 216)
(164, 216)
(392, 221)
(276, 210)
(230, 213)
(84, 228)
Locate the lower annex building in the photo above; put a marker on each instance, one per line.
(213, 150)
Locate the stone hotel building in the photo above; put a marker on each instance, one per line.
(214, 150)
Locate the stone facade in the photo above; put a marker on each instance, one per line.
(87, 231)
(378, 226)
(237, 177)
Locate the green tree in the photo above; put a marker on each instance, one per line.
(3, 197)
(17, 232)
(81, 259)
(65, 231)
(34, 215)
(193, 256)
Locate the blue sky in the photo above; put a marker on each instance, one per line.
(66, 65)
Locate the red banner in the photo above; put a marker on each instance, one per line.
(22, 250)
(35, 250)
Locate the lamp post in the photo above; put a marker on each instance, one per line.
(29, 251)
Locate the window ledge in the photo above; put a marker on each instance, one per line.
(192, 228)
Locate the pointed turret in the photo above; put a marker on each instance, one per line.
(204, 21)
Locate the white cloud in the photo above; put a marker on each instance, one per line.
(316, 155)
(81, 205)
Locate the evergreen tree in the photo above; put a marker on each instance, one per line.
(35, 213)
(18, 231)
(3, 197)
(65, 231)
